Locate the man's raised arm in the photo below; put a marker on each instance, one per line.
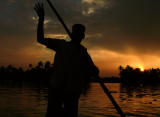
(40, 31)
(53, 44)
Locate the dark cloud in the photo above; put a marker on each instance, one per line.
(127, 23)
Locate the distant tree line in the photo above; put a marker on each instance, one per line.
(135, 75)
(40, 73)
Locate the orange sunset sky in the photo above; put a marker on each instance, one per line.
(118, 32)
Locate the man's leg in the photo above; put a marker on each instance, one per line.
(70, 105)
(55, 101)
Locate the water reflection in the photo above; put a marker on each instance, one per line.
(23, 99)
(141, 100)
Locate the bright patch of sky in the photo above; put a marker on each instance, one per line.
(90, 6)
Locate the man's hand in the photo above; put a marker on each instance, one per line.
(40, 11)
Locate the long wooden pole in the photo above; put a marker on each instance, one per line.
(99, 80)
(59, 17)
(111, 97)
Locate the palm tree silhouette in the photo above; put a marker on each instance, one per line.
(30, 66)
(40, 64)
(47, 65)
(120, 68)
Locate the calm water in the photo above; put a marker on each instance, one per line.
(26, 100)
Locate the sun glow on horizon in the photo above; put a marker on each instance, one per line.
(142, 69)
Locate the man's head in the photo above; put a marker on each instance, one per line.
(78, 32)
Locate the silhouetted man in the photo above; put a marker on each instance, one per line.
(72, 67)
